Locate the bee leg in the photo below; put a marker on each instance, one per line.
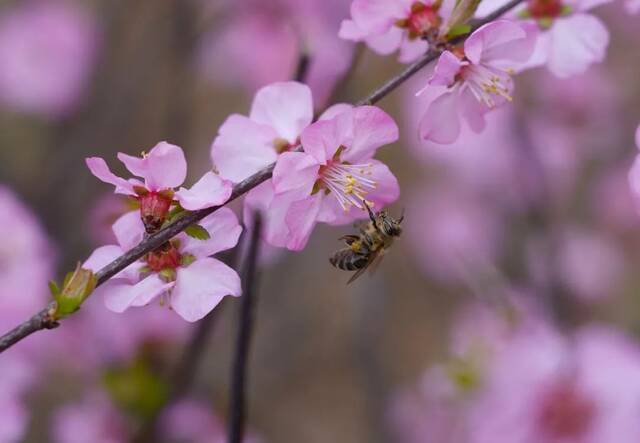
(372, 216)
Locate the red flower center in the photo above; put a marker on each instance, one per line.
(545, 8)
(566, 412)
(153, 210)
(165, 257)
(422, 20)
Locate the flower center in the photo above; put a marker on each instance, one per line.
(422, 21)
(489, 86)
(348, 183)
(545, 8)
(165, 257)
(565, 412)
(282, 145)
(154, 207)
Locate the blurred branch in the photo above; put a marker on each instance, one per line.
(39, 321)
(237, 400)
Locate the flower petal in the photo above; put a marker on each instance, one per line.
(242, 147)
(210, 190)
(410, 50)
(372, 128)
(446, 70)
(295, 172)
(224, 231)
(576, 42)
(441, 122)
(129, 230)
(377, 16)
(119, 296)
(164, 167)
(301, 218)
(500, 40)
(274, 209)
(287, 107)
(102, 256)
(99, 168)
(201, 286)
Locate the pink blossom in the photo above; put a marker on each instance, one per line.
(47, 50)
(571, 40)
(182, 272)
(16, 377)
(632, 6)
(477, 79)
(92, 419)
(329, 180)
(634, 174)
(26, 261)
(163, 169)
(390, 25)
(275, 33)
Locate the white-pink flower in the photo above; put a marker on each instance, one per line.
(181, 272)
(390, 25)
(472, 81)
(244, 145)
(329, 181)
(163, 169)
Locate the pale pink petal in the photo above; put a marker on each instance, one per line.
(632, 6)
(99, 168)
(129, 230)
(441, 122)
(323, 138)
(334, 110)
(410, 50)
(349, 30)
(385, 44)
(201, 286)
(210, 190)
(473, 111)
(118, 296)
(495, 40)
(377, 16)
(576, 42)
(446, 69)
(164, 167)
(301, 219)
(224, 232)
(287, 107)
(102, 256)
(295, 172)
(372, 128)
(634, 182)
(242, 148)
(274, 209)
(585, 5)
(167, 167)
(638, 137)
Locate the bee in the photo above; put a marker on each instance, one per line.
(369, 245)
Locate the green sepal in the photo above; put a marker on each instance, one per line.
(197, 232)
(77, 286)
(566, 10)
(187, 259)
(524, 14)
(458, 30)
(54, 288)
(167, 275)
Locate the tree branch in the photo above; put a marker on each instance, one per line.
(237, 400)
(42, 321)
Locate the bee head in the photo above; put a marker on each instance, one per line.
(389, 225)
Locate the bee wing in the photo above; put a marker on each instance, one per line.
(348, 239)
(375, 263)
(372, 258)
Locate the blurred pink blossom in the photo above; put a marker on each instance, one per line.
(182, 271)
(275, 34)
(390, 25)
(476, 80)
(92, 419)
(47, 50)
(571, 40)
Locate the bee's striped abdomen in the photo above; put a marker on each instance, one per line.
(348, 260)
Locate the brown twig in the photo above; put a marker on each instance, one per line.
(38, 321)
(237, 397)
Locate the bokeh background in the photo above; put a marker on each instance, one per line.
(536, 211)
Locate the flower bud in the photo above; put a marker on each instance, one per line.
(77, 286)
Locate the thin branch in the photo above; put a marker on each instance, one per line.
(41, 321)
(237, 398)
